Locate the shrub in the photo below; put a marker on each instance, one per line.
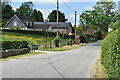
(83, 38)
(115, 25)
(86, 38)
(57, 41)
(6, 45)
(99, 35)
(110, 54)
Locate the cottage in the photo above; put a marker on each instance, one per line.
(26, 23)
(63, 27)
(19, 22)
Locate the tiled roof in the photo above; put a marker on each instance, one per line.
(41, 26)
(54, 24)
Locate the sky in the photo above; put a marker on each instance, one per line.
(68, 7)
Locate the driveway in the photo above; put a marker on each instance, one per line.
(75, 63)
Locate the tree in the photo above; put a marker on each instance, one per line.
(37, 16)
(26, 9)
(52, 17)
(79, 29)
(7, 11)
(100, 17)
(115, 25)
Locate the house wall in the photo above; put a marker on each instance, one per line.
(69, 29)
(50, 28)
(60, 30)
(19, 23)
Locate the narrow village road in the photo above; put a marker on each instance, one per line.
(75, 63)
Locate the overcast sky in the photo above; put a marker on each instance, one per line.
(46, 7)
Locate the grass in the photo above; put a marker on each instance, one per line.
(32, 39)
(64, 48)
(20, 56)
(98, 70)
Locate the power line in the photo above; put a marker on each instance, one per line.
(69, 7)
(52, 4)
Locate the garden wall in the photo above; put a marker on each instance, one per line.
(13, 52)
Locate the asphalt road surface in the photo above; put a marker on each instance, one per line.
(75, 63)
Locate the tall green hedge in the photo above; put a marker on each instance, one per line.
(36, 32)
(110, 54)
(6, 45)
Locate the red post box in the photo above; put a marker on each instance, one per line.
(78, 40)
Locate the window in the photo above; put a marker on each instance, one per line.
(15, 23)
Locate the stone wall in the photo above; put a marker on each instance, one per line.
(13, 52)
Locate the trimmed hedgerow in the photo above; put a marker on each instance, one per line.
(6, 45)
(110, 54)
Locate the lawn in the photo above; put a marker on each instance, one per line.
(22, 55)
(64, 48)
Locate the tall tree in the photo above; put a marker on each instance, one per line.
(101, 16)
(7, 11)
(26, 9)
(52, 17)
(37, 16)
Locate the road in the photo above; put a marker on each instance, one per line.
(75, 63)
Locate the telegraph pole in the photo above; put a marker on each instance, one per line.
(57, 16)
(75, 25)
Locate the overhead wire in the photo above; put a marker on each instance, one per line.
(52, 4)
(70, 7)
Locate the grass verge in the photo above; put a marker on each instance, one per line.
(98, 71)
(64, 48)
(20, 56)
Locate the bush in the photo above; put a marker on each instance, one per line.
(33, 32)
(99, 35)
(86, 38)
(83, 38)
(57, 41)
(6, 45)
(115, 25)
(110, 54)
(70, 42)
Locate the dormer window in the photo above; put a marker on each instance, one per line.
(15, 23)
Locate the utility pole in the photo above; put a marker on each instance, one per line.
(57, 16)
(75, 25)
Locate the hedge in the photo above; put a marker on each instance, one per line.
(110, 54)
(6, 45)
(88, 38)
(37, 32)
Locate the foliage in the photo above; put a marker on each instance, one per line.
(37, 16)
(100, 17)
(7, 11)
(14, 45)
(57, 40)
(87, 38)
(52, 17)
(3, 23)
(31, 36)
(26, 9)
(99, 35)
(79, 29)
(115, 25)
(110, 54)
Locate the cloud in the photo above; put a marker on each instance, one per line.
(71, 18)
(89, 8)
